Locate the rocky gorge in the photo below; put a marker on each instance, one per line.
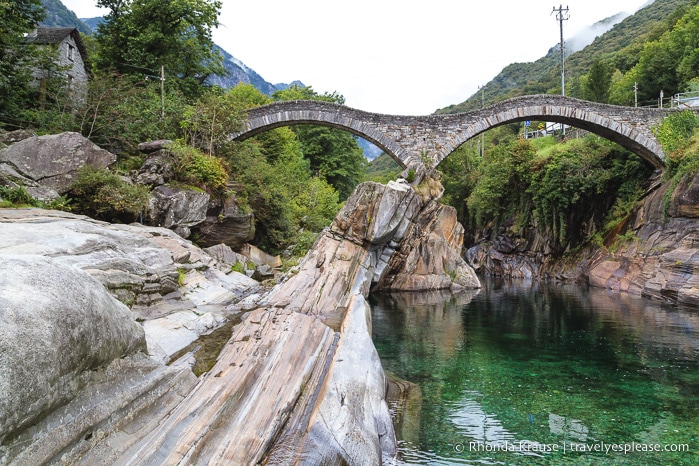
(93, 313)
(653, 253)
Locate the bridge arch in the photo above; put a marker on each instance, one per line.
(297, 112)
(629, 127)
(414, 141)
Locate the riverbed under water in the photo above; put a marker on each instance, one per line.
(528, 373)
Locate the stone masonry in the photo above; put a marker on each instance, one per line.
(417, 141)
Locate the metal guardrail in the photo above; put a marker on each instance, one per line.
(686, 99)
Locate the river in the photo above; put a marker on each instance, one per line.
(528, 373)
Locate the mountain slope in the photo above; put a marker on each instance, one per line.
(238, 72)
(620, 46)
(57, 15)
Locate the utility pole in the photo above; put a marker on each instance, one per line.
(162, 91)
(635, 94)
(562, 15)
(482, 89)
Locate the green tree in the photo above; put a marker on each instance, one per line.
(503, 179)
(119, 112)
(17, 17)
(332, 153)
(209, 123)
(137, 37)
(597, 82)
(670, 62)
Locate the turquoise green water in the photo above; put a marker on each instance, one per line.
(520, 373)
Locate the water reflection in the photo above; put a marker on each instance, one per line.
(524, 362)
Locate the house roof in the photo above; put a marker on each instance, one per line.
(51, 36)
(45, 36)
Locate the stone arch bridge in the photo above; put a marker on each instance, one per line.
(417, 141)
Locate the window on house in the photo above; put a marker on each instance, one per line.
(71, 52)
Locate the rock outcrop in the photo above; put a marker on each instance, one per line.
(75, 363)
(58, 324)
(654, 253)
(300, 379)
(47, 165)
(226, 223)
(662, 260)
(178, 208)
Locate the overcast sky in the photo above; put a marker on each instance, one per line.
(393, 56)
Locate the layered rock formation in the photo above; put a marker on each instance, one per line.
(298, 382)
(662, 260)
(654, 254)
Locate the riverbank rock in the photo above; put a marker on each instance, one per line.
(161, 277)
(654, 253)
(226, 223)
(47, 165)
(298, 382)
(75, 363)
(58, 324)
(178, 208)
(662, 260)
(306, 379)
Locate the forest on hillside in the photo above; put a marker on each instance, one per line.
(646, 48)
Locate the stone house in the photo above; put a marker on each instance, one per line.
(70, 58)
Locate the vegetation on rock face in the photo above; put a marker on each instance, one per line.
(559, 188)
(105, 195)
(193, 167)
(679, 137)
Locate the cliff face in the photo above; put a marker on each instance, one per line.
(659, 261)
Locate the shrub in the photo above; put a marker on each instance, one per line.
(205, 171)
(16, 196)
(675, 130)
(410, 176)
(102, 194)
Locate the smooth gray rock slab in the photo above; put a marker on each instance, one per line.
(58, 323)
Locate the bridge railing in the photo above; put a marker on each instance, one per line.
(686, 99)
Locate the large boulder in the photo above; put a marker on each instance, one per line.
(157, 169)
(685, 199)
(47, 165)
(58, 324)
(226, 223)
(178, 208)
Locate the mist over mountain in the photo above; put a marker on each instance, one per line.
(585, 37)
(600, 41)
